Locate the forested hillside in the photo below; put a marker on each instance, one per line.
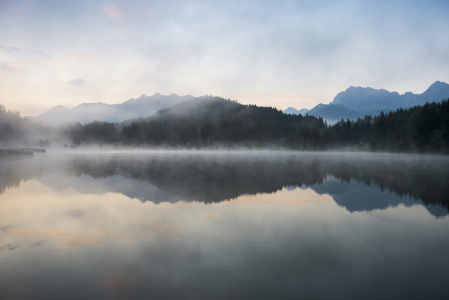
(208, 121)
(217, 122)
(15, 131)
(417, 129)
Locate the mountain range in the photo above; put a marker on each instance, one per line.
(356, 102)
(143, 106)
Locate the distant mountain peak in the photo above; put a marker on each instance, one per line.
(92, 104)
(438, 85)
(59, 107)
(133, 108)
(356, 102)
(367, 99)
(293, 111)
(320, 105)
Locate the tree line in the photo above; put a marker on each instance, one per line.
(216, 122)
(14, 130)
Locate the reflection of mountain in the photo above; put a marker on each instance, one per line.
(358, 182)
(85, 184)
(356, 196)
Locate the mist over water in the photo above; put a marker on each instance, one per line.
(223, 224)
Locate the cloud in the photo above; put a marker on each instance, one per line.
(5, 229)
(79, 240)
(112, 11)
(37, 244)
(10, 247)
(24, 232)
(76, 213)
(40, 53)
(77, 82)
(5, 66)
(10, 49)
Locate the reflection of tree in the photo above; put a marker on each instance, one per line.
(213, 178)
(15, 170)
(204, 179)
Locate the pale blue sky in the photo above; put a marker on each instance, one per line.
(272, 53)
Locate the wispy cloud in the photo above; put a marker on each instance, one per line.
(76, 213)
(112, 11)
(5, 229)
(40, 53)
(10, 247)
(37, 244)
(10, 49)
(79, 82)
(6, 67)
(81, 56)
(79, 240)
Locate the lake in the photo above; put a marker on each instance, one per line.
(224, 225)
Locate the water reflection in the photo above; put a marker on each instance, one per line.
(290, 226)
(355, 181)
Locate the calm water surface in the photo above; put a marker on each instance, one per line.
(273, 225)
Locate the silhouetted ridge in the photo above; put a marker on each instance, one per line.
(89, 112)
(212, 120)
(356, 102)
(216, 122)
(364, 100)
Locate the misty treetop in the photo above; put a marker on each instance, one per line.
(210, 121)
(17, 131)
(216, 122)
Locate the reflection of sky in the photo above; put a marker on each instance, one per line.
(289, 243)
(272, 53)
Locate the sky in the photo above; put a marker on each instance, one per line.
(270, 53)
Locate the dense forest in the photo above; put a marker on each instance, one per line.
(417, 129)
(16, 131)
(216, 122)
(212, 121)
